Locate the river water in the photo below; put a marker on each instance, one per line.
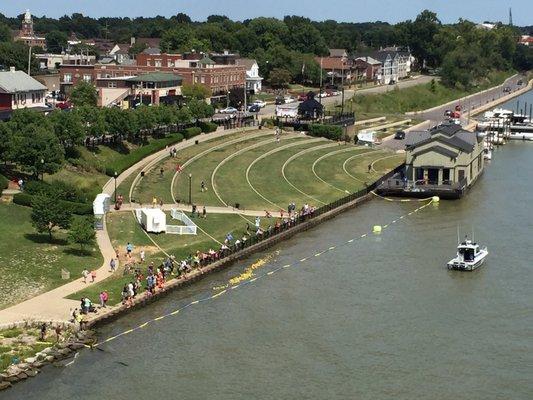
(381, 318)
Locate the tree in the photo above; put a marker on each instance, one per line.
(15, 54)
(279, 77)
(200, 109)
(82, 232)
(5, 141)
(182, 18)
(176, 38)
(195, 91)
(56, 42)
(37, 150)
(83, 94)
(93, 120)
(68, 127)
(48, 213)
(5, 33)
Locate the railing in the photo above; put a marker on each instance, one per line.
(399, 183)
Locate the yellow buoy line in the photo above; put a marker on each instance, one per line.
(237, 283)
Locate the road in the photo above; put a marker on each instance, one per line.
(435, 115)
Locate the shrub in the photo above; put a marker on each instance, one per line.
(63, 190)
(207, 127)
(4, 182)
(22, 199)
(25, 199)
(332, 132)
(123, 162)
(191, 132)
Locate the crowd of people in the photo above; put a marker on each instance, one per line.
(148, 278)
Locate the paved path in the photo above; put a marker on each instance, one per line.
(52, 305)
(208, 209)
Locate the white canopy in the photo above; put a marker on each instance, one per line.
(101, 204)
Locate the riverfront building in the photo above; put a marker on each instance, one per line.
(444, 161)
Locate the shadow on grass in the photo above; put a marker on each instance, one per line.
(78, 252)
(45, 239)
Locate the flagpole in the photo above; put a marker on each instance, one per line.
(320, 95)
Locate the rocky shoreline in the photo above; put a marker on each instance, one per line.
(31, 366)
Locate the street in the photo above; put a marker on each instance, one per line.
(435, 115)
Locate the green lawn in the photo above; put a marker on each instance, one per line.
(29, 264)
(202, 170)
(415, 98)
(230, 179)
(153, 184)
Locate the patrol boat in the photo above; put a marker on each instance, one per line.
(469, 256)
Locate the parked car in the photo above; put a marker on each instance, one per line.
(260, 103)
(289, 99)
(507, 89)
(323, 94)
(519, 83)
(254, 108)
(400, 135)
(279, 101)
(229, 110)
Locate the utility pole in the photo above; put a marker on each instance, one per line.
(320, 95)
(29, 60)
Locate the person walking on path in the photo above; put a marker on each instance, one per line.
(103, 299)
(113, 265)
(142, 255)
(204, 212)
(154, 202)
(369, 168)
(203, 188)
(85, 274)
(93, 275)
(129, 249)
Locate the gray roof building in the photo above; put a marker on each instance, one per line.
(18, 81)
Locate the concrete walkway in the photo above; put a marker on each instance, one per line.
(52, 305)
(208, 209)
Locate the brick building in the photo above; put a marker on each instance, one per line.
(27, 35)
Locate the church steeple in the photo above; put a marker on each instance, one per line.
(27, 25)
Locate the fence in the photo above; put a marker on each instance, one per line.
(188, 229)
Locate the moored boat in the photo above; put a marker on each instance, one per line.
(469, 256)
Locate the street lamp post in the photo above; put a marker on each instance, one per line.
(42, 169)
(190, 189)
(115, 175)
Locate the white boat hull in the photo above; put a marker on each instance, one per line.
(460, 265)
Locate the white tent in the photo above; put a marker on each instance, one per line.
(152, 219)
(100, 207)
(367, 137)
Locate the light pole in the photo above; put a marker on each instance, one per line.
(42, 169)
(190, 189)
(227, 99)
(115, 175)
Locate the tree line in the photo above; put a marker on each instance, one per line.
(285, 48)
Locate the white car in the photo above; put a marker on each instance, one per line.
(289, 99)
(229, 110)
(323, 94)
(260, 103)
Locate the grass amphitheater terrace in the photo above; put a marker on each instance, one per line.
(252, 169)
